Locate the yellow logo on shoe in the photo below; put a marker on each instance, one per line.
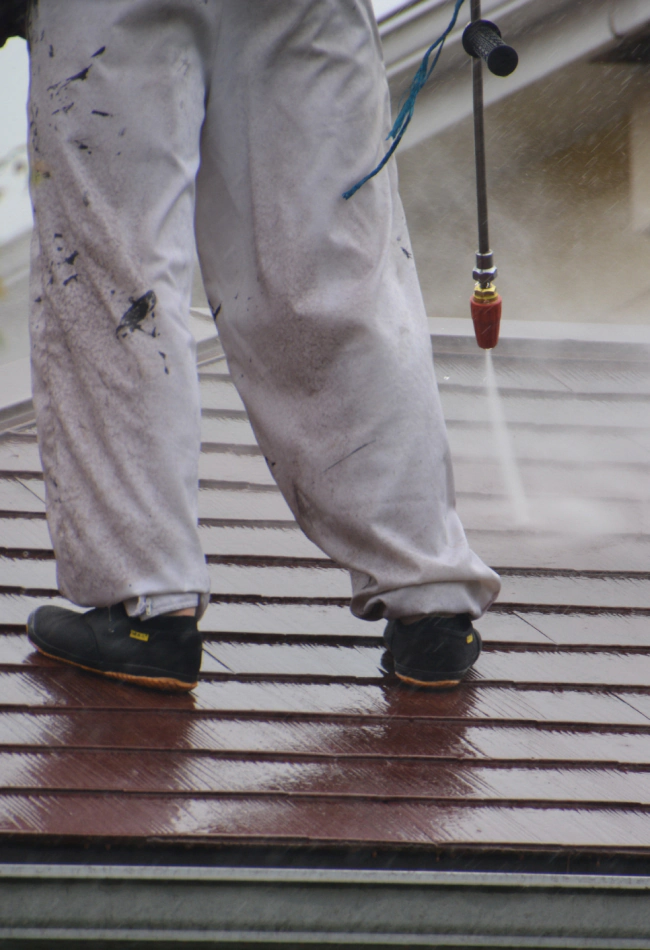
(139, 636)
(469, 637)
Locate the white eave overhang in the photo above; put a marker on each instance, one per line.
(547, 34)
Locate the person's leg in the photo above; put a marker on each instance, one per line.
(116, 107)
(318, 303)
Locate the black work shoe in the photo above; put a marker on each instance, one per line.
(435, 651)
(162, 653)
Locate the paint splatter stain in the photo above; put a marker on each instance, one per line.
(64, 109)
(408, 253)
(136, 316)
(349, 455)
(70, 260)
(68, 279)
(78, 77)
(99, 112)
(164, 358)
(102, 49)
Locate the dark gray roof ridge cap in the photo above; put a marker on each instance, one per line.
(467, 879)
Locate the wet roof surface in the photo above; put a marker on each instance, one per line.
(294, 734)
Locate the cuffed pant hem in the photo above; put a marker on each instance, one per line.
(158, 604)
(443, 598)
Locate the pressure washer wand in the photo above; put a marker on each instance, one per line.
(482, 40)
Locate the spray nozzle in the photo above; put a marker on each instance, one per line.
(485, 305)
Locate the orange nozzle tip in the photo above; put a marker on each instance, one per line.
(487, 321)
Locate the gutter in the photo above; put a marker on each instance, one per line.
(63, 906)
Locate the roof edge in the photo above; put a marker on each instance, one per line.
(16, 404)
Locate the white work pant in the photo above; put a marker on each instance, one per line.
(244, 120)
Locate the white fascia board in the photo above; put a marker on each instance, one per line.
(565, 33)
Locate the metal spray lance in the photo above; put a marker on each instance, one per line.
(482, 40)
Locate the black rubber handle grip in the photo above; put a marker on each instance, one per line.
(483, 38)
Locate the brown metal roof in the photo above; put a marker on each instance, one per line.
(295, 735)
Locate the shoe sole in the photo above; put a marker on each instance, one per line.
(166, 684)
(436, 684)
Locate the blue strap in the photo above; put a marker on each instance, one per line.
(406, 112)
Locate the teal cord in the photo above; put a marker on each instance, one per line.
(406, 112)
